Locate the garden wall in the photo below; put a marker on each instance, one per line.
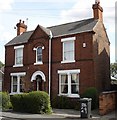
(107, 102)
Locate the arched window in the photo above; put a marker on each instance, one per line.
(39, 54)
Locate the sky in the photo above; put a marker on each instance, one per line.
(51, 12)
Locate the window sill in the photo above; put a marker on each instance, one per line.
(70, 96)
(21, 65)
(38, 63)
(68, 61)
(13, 93)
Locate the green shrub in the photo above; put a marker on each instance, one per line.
(33, 102)
(63, 102)
(5, 101)
(93, 94)
(18, 102)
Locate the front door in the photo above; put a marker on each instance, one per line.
(38, 83)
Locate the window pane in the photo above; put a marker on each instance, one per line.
(22, 84)
(64, 79)
(14, 80)
(14, 88)
(64, 84)
(39, 54)
(69, 46)
(14, 83)
(74, 83)
(74, 89)
(64, 89)
(69, 55)
(19, 56)
(69, 50)
(74, 78)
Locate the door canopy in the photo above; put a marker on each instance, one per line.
(38, 73)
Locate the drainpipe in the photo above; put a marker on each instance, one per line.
(50, 42)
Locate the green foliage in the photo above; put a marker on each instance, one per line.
(33, 102)
(63, 102)
(1, 64)
(5, 101)
(113, 68)
(93, 94)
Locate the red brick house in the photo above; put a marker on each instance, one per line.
(62, 60)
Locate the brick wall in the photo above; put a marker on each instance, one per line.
(107, 102)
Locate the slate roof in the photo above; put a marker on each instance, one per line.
(58, 30)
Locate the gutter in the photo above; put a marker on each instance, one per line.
(50, 43)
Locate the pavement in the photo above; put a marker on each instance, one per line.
(68, 114)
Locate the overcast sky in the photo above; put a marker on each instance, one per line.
(51, 12)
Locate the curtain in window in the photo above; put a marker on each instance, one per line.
(14, 83)
(74, 83)
(64, 84)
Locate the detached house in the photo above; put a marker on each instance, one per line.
(64, 59)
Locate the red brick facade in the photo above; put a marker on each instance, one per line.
(93, 60)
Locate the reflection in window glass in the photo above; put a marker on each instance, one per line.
(19, 56)
(39, 54)
(68, 51)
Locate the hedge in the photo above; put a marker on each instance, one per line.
(32, 102)
(93, 94)
(5, 101)
(64, 102)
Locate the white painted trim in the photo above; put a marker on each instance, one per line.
(17, 47)
(68, 39)
(38, 63)
(68, 61)
(20, 65)
(72, 61)
(70, 96)
(14, 93)
(18, 81)
(68, 71)
(18, 74)
(38, 73)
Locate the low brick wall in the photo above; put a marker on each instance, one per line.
(107, 102)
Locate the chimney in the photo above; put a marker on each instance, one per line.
(21, 27)
(97, 10)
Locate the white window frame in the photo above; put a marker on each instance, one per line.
(68, 72)
(38, 62)
(16, 48)
(18, 75)
(65, 40)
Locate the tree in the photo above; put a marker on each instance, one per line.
(1, 64)
(113, 68)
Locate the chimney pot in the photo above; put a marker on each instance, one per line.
(97, 10)
(21, 27)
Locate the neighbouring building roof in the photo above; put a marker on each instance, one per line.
(58, 30)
